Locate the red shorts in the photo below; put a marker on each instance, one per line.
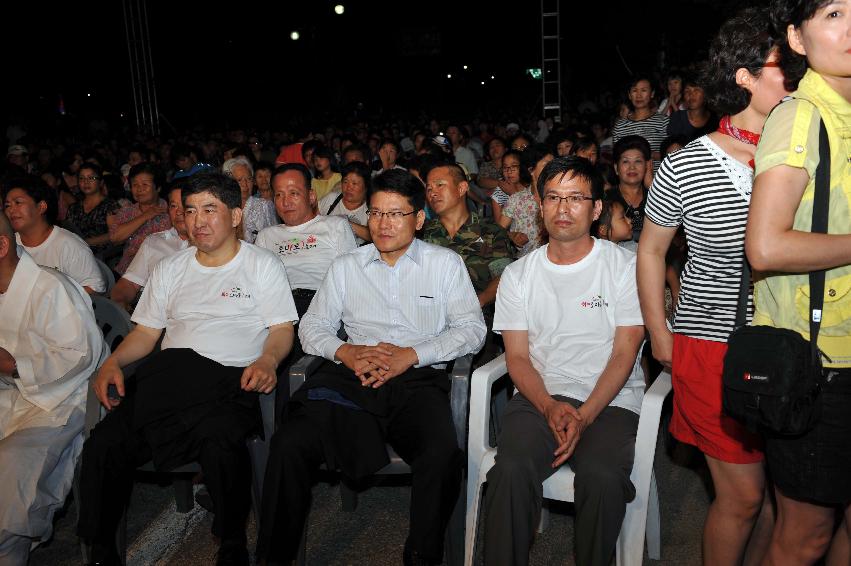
(698, 418)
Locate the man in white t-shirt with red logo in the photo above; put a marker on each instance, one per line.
(306, 242)
(572, 327)
(228, 320)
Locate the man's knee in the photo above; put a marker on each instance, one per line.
(598, 482)
(514, 471)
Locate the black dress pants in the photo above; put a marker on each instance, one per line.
(418, 425)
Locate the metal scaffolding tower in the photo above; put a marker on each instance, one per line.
(141, 66)
(551, 58)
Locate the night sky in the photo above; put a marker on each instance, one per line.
(238, 66)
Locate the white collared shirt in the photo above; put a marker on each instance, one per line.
(425, 301)
(153, 249)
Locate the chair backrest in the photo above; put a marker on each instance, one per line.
(108, 276)
(113, 321)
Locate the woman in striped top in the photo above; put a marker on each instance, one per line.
(705, 187)
(642, 120)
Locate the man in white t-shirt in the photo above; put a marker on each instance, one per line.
(306, 242)
(31, 208)
(153, 249)
(228, 320)
(572, 327)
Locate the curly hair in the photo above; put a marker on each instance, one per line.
(785, 13)
(744, 41)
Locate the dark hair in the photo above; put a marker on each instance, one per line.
(360, 169)
(605, 219)
(37, 190)
(389, 141)
(221, 186)
(308, 145)
(494, 139)
(455, 171)
(264, 165)
(744, 41)
(357, 147)
(584, 143)
(140, 168)
(680, 140)
(324, 152)
(785, 13)
(627, 143)
(94, 167)
(516, 137)
(403, 183)
(572, 166)
(562, 136)
(525, 176)
(634, 80)
(305, 172)
(182, 150)
(533, 154)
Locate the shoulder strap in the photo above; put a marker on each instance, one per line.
(334, 204)
(821, 205)
(821, 201)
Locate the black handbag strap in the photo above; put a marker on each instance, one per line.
(334, 204)
(821, 203)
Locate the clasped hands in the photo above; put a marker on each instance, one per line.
(567, 425)
(376, 365)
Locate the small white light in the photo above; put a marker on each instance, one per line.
(339, 9)
(483, 82)
(294, 36)
(465, 67)
(492, 77)
(449, 76)
(88, 94)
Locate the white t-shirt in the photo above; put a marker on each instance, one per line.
(358, 215)
(223, 313)
(67, 253)
(153, 249)
(571, 313)
(308, 249)
(465, 156)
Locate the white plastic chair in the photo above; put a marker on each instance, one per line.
(642, 514)
(108, 276)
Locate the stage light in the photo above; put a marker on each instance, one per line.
(339, 9)
(294, 36)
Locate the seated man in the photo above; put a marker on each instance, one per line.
(31, 208)
(405, 306)
(572, 327)
(306, 242)
(482, 244)
(49, 346)
(153, 249)
(227, 315)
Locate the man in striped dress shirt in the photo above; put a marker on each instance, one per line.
(406, 305)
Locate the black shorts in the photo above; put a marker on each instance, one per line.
(816, 467)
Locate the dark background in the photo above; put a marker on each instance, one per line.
(236, 66)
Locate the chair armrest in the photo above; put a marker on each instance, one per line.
(648, 430)
(267, 413)
(459, 396)
(301, 370)
(480, 394)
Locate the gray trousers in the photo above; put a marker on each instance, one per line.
(602, 462)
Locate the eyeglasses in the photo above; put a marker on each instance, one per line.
(771, 64)
(571, 200)
(88, 178)
(511, 168)
(394, 215)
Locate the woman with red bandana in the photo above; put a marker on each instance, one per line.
(705, 188)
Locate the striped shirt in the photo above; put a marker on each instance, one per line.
(707, 192)
(425, 301)
(654, 129)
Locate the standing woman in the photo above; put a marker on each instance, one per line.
(811, 472)
(641, 120)
(705, 187)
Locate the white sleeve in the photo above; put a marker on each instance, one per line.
(510, 310)
(80, 265)
(275, 304)
(152, 308)
(628, 310)
(319, 326)
(139, 269)
(345, 240)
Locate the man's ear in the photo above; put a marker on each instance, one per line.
(598, 209)
(235, 216)
(420, 219)
(463, 187)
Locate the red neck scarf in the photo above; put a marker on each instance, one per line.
(726, 127)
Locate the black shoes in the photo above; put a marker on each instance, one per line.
(232, 554)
